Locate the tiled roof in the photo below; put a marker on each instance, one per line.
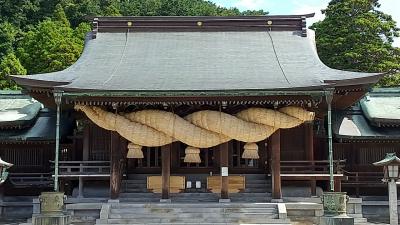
(220, 57)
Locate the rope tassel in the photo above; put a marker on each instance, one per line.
(192, 155)
(250, 151)
(134, 151)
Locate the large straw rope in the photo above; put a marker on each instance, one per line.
(202, 129)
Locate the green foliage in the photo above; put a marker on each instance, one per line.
(50, 46)
(8, 35)
(10, 65)
(19, 13)
(356, 36)
(59, 15)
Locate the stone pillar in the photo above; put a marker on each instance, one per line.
(224, 162)
(276, 166)
(394, 217)
(166, 172)
(115, 170)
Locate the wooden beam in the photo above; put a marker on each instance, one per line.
(276, 165)
(223, 149)
(166, 170)
(115, 170)
(309, 150)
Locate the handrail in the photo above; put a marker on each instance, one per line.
(307, 166)
(78, 168)
(88, 162)
(30, 179)
(314, 161)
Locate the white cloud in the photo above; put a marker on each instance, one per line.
(392, 7)
(250, 4)
(312, 7)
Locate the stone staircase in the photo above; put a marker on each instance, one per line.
(258, 188)
(189, 213)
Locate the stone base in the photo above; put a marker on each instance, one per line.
(276, 200)
(336, 220)
(224, 200)
(41, 219)
(113, 200)
(167, 200)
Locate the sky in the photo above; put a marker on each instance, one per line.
(285, 7)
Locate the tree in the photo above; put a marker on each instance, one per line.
(19, 13)
(356, 36)
(8, 35)
(10, 65)
(50, 46)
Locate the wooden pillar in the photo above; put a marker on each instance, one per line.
(309, 151)
(338, 184)
(115, 170)
(224, 162)
(85, 154)
(166, 170)
(276, 165)
(86, 141)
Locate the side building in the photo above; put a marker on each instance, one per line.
(27, 138)
(363, 134)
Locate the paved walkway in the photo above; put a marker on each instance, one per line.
(11, 221)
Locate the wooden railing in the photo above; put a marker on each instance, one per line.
(316, 170)
(358, 180)
(23, 180)
(83, 168)
(315, 166)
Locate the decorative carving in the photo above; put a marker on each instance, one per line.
(334, 203)
(52, 202)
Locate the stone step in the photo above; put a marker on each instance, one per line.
(248, 220)
(234, 200)
(136, 190)
(140, 200)
(173, 211)
(256, 190)
(134, 184)
(211, 205)
(359, 221)
(192, 215)
(137, 181)
(146, 194)
(282, 222)
(256, 176)
(250, 194)
(181, 200)
(273, 222)
(257, 185)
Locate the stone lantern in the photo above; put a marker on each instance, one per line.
(4, 166)
(390, 175)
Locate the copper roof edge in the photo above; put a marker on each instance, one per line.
(194, 18)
